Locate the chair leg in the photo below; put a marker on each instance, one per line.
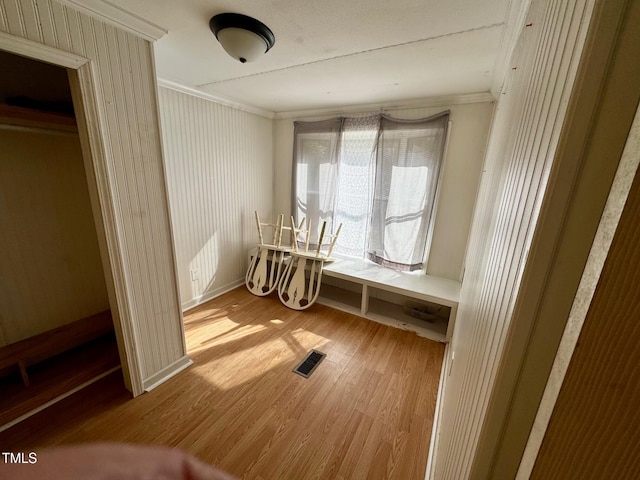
(259, 228)
(333, 242)
(324, 226)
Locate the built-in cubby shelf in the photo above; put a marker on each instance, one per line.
(336, 297)
(412, 301)
(421, 303)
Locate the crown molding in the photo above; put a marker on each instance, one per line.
(115, 15)
(219, 99)
(439, 101)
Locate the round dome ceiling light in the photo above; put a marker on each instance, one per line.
(244, 38)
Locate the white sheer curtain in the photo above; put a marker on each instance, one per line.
(408, 160)
(376, 176)
(316, 147)
(354, 190)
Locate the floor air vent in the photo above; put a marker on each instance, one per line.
(309, 363)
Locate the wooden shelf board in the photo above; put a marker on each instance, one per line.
(57, 340)
(56, 376)
(27, 117)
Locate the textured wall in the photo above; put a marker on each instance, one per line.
(522, 146)
(219, 163)
(124, 76)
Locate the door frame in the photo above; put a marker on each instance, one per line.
(94, 152)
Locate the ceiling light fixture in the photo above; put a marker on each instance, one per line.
(244, 38)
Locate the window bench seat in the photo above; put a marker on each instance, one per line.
(421, 303)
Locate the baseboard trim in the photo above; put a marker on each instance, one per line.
(435, 429)
(166, 373)
(211, 295)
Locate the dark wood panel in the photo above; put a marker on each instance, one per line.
(57, 376)
(57, 340)
(594, 432)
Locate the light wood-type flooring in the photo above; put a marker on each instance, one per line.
(365, 413)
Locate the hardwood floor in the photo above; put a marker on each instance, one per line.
(365, 413)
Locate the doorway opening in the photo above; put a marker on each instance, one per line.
(56, 328)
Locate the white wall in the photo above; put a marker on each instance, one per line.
(219, 163)
(522, 149)
(127, 161)
(460, 178)
(51, 272)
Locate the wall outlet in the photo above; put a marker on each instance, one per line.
(195, 274)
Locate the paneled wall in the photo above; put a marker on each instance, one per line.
(51, 273)
(219, 163)
(123, 73)
(522, 147)
(460, 178)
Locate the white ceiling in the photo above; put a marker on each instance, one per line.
(334, 53)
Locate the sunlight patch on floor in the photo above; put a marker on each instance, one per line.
(225, 332)
(229, 366)
(237, 368)
(307, 339)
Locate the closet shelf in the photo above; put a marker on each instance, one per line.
(37, 348)
(30, 118)
(57, 377)
(44, 368)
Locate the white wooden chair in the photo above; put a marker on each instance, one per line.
(267, 265)
(295, 290)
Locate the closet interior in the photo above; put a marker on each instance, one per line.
(56, 330)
